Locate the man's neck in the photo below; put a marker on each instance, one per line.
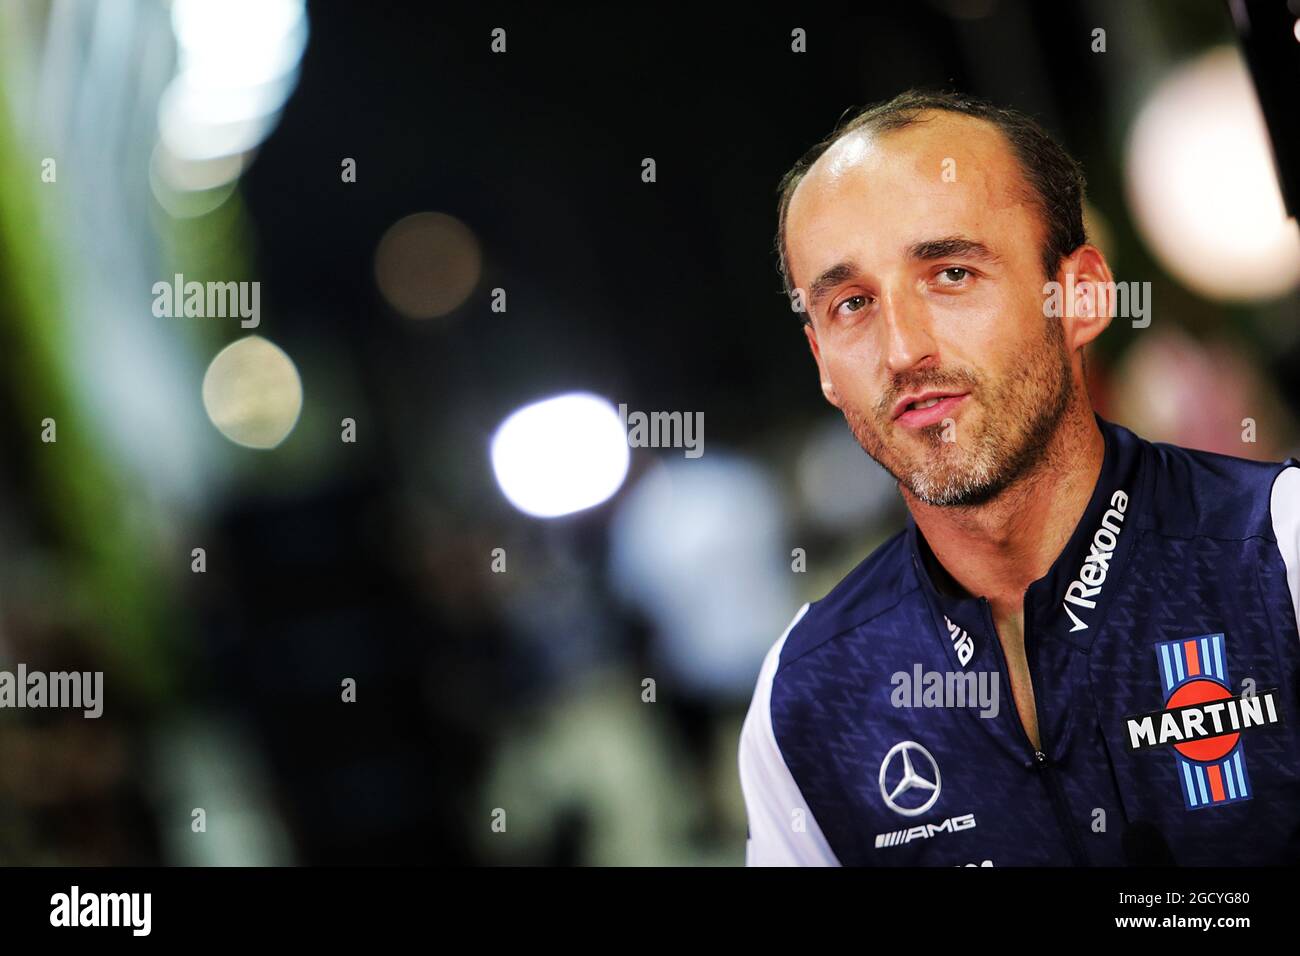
(997, 549)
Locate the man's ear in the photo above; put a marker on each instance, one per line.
(1091, 305)
(828, 388)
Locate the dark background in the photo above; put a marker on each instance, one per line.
(476, 691)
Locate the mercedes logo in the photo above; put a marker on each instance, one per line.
(918, 782)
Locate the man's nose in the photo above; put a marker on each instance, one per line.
(905, 320)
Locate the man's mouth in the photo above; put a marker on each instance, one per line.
(927, 408)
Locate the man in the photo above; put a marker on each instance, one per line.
(1124, 595)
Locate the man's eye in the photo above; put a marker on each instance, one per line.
(854, 303)
(954, 275)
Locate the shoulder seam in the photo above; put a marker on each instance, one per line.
(781, 665)
(1268, 533)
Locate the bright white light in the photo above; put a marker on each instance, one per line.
(560, 455)
(239, 43)
(237, 63)
(1202, 186)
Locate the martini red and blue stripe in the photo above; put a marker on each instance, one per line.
(1202, 661)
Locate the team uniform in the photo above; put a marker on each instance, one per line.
(1164, 653)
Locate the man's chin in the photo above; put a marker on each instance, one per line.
(953, 495)
(927, 464)
(954, 483)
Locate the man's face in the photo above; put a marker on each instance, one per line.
(918, 256)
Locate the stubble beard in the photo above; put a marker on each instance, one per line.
(1023, 413)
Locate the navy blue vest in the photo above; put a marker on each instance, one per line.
(1169, 602)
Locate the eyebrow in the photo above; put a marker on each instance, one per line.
(930, 249)
(829, 279)
(950, 246)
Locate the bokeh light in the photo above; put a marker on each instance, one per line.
(252, 393)
(1202, 185)
(560, 455)
(237, 64)
(840, 488)
(427, 264)
(699, 547)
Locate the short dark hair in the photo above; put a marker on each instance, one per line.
(1054, 179)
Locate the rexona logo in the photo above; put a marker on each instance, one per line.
(1096, 565)
(925, 831)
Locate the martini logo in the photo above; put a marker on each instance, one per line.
(1202, 721)
(1216, 719)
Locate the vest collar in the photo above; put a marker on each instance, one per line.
(1071, 600)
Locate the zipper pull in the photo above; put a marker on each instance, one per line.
(1040, 758)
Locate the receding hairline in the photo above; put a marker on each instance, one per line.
(883, 126)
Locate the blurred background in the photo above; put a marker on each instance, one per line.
(411, 473)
